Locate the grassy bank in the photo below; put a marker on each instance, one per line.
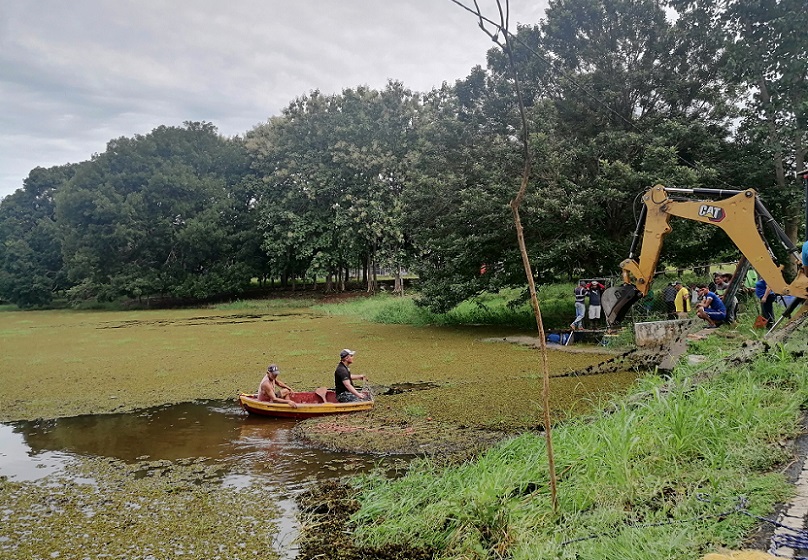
(648, 480)
(508, 308)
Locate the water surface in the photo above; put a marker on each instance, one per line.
(215, 432)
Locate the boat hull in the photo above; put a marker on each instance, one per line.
(310, 405)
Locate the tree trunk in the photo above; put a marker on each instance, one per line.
(370, 272)
(398, 282)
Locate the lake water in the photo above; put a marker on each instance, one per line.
(217, 431)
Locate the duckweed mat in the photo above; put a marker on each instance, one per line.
(101, 508)
(68, 363)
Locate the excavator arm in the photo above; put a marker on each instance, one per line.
(739, 213)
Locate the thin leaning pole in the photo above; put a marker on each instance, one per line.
(505, 45)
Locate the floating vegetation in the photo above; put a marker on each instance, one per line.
(107, 508)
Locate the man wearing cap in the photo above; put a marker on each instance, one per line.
(343, 379)
(682, 301)
(273, 389)
(595, 288)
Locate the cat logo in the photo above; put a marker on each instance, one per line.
(712, 213)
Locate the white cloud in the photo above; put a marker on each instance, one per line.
(74, 75)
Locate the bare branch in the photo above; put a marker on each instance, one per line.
(505, 45)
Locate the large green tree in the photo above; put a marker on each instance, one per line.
(768, 50)
(31, 268)
(153, 215)
(333, 168)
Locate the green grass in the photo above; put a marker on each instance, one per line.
(506, 308)
(678, 459)
(264, 305)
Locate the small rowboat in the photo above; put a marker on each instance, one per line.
(310, 404)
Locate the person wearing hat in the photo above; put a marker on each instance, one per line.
(580, 292)
(343, 379)
(273, 389)
(595, 289)
(682, 301)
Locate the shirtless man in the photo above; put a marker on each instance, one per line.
(273, 389)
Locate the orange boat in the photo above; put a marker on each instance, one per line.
(320, 402)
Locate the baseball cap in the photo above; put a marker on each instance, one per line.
(345, 353)
(272, 368)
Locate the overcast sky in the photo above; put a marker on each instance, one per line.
(74, 75)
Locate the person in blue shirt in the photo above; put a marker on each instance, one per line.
(711, 308)
(766, 297)
(805, 258)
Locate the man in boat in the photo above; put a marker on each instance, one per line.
(343, 379)
(273, 389)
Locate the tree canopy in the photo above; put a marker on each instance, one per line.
(620, 95)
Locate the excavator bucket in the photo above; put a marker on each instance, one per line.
(617, 301)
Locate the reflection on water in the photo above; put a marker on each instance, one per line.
(18, 462)
(218, 432)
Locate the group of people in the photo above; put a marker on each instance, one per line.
(706, 299)
(274, 390)
(591, 289)
(710, 302)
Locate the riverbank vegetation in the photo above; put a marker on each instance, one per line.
(657, 474)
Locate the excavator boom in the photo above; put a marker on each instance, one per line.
(740, 214)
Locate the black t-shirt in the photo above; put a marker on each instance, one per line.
(594, 294)
(340, 375)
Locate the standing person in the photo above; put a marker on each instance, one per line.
(721, 285)
(580, 292)
(750, 281)
(595, 288)
(766, 296)
(273, 389)
(669, 297)
(682, 302)
(730, 303)
(343, 379)
(805, 258)
(711, 308)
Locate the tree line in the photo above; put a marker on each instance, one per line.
(620, 95)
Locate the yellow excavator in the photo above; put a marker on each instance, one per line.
(740, 214)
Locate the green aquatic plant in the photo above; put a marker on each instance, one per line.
(102, 508)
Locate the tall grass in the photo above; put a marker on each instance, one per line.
(650, 480)
(506, 308)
